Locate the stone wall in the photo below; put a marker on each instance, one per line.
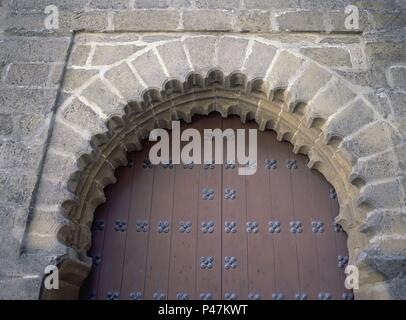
(36, 64)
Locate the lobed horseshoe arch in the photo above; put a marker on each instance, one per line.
(106, 110)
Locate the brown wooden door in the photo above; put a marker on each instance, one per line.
(205, 232)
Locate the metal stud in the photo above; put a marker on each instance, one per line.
(120, 225)
(206, 262)
(96, 259)
(296, 227)
(251, 164)
(207, 194)
(141, 226)
(254, 296)
(208, 165)
(347, 296)
(182, 296)
(112, 295)
(146, 164)
(301, 296)
(185, 226)
(136, 295)
(230, 296)
(291, 164)
(278, 296)
(167, 164)
(230, 227)
(252, 227)
(317, 226)
(207, 227)
(342, 261)
(99, 225)
(230, 263)
(159, 296)
(188, 165)
(337, 227)
(271, 164)
(206, 296)
(163, 226)
(324, 296)
(230, 165)
(229, 194)
(333, 193)
(274, 226)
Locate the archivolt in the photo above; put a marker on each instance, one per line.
(113, 110)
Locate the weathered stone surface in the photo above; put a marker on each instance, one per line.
(101, 95)
(330, 56)
(201, 51)
(104, 55)
(381, 222)
(74, 78)
(259, 52)
(108, 4)
(125, 81)
(28, 74)
(382, 195)
(6, 124)
(328, 101)
(207, 20)
(24, 100)
(343, 123)
(88, 119)
(150, 69)
(89, 21)
(215, 4)
(254, 21)
(80, 55)
(151, 20)
(18, 187)
(146, 4)
(231, 53)
(267, 4)
(398, 103)
(174, 59)
(300, 21)
(397, 76)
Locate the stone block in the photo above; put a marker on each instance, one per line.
(17, 188)
(174, 58)
(254, 21)
(269, 4)
(207, 20)
(89, 21)
(108, 4)
(28, 74)
(147, 20)
(108, 54)
(74, 78)
(231, 54)
(300, 21)
(216, 4)
(17, 155)
(396, 76)
(398, 103)
(202, 53)
(260, 52)
(150, 4)
(348, 120)
(328, 101)
(150, 69)
(382, 195)
(330, 56)
(6, 124)
(100, 94)
(80, 55)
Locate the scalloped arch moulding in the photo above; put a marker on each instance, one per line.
(117, 88)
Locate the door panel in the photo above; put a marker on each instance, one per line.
(201, 231)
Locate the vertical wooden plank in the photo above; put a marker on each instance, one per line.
(183, 243)
(341, 243)
(286, 261)
(161, 227)
(138, 226)
(209, 238)
(115, 236)
(306, 241)
(90, 288)
(261, 271)
(329, 276)
(234, 245)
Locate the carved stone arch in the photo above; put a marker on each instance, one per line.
(108, 112)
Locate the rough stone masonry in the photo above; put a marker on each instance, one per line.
(343, 92)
